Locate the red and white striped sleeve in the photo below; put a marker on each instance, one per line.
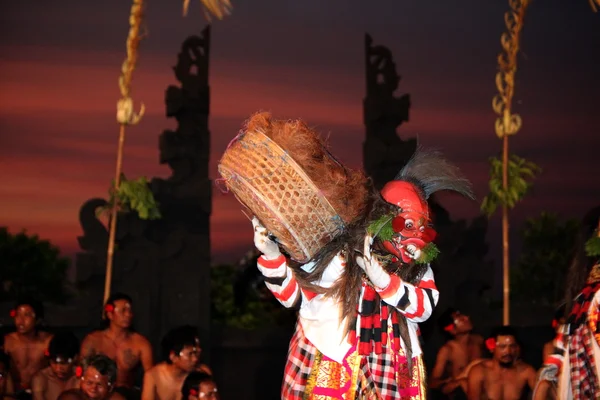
(415, 302)
(558, 352)
(280, 280)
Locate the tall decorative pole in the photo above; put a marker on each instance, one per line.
(507, 123)
(125, 116)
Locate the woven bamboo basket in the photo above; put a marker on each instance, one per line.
(267, 181)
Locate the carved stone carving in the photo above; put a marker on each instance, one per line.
(384, 152)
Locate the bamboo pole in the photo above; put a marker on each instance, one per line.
(505, 237)
(507, 124)
(125, 116)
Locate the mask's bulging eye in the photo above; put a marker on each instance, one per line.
(398, 224)
(409, 224)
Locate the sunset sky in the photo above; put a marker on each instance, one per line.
(60, 60)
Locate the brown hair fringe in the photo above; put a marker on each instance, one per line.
(344, 188)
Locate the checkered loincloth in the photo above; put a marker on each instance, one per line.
(584, 382)
(379, 377)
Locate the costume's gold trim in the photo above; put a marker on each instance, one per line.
(312, 378)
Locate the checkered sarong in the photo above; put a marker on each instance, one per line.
(584, 382)
(392, 379)
(301, 357)
(381, 376)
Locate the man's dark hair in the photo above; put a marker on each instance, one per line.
(36, 305)
(118, 296)
(505, 330)
(176, 339)
(193, 381)
(104, 365)
(445, 319)
(63, 344)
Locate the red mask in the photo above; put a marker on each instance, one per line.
(411, 225)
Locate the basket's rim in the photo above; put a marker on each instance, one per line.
(297, 168)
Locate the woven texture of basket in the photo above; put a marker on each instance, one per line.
(266, 180)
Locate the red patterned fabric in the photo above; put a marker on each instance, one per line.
(382, 376)
(301, 357)
(584, 382)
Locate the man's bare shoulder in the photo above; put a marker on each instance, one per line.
(482, 365)
(446, 347)
(477, 338)
(10, 339)
(93, 337)
(158, 368)
(45, 337)
(97, 334)
(139, 339)
(41, 376)
(524, 368)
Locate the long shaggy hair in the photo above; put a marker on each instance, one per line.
(344, 188)
(581, 264)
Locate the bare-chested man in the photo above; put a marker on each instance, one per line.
(449, 374)
(557, 320)
(48, 383)
(27, 346)
(128, 349)
(181, 352)
(503, 377)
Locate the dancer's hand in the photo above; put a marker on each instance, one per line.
(269, 248)
(373, 268)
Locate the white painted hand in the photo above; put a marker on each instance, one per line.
(373, 268)
(269, 248)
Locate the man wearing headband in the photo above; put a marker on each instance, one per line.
(119, 342)
(48, 383)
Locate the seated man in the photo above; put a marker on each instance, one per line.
(48, 383)
(27, 346)
(199, 385)
(503, 377)
(449, 374)
(180, 352)
(557, 320)
(98, 378)
(127, 348)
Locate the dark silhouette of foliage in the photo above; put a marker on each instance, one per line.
(254, 308)
(31, 267)
(548, 245)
